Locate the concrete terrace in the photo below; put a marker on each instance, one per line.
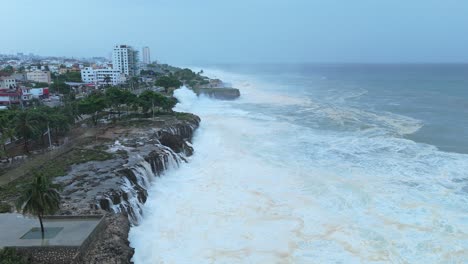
(76, 230)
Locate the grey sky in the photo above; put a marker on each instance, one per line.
(216, 31)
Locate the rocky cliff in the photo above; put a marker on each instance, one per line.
(142, 150)
(218, 93)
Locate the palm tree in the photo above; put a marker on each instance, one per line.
(26, 125)
(8, 133)
(39, 198)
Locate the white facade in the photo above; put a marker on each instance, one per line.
(38, 76)
(98, 76)
(26, 94)
(125, 59)
(87, 75)
(7, 82)
(146, 55)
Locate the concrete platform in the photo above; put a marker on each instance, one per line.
(76, 230)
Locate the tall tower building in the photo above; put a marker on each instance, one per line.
(125, 59)
(146, 55)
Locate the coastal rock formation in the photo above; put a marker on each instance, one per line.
(142, 151)
(218, 93)
(112, 245)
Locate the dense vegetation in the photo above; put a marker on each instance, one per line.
(191, 78)
(6, 71)
(167, 82)
(34, 123)
(173, 77)
(59, 80)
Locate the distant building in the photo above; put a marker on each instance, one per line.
(125, 60)
(146, 55)
(98, 76)
(67, 70)
(8, 97)
(15, 96)
(38, 76)
(8, 82)
(26, 94)
(19, 76)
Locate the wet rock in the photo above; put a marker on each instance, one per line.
(119, 186)
(105, 204)
(112, 245)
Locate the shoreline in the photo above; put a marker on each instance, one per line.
(135, 152)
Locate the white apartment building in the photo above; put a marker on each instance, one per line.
(125, 60)
(38, 76)
(8, 82)
(98, 76)
(146, 55)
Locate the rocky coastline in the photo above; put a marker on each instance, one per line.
(143, 150)
(110, 174)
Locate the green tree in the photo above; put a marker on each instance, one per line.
(26, 127)
(53, 120)
(185, 75)
(8, 70)
(71, 77)
(71, 111)
(60, 87)
(146, 100)
(115, 99)
(168, 82)
(129, 99)
(7, 133)
(168, 103)
(151, 101)
(93, 105)
(39, 198)
(135, 82)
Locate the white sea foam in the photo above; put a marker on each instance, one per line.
(261, 189)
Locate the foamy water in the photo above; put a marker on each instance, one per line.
(266, 185)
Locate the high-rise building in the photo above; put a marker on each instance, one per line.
(125, 60)
(146, 55)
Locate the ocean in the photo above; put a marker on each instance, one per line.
(318, 164)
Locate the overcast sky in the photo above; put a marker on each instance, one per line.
(242, 31)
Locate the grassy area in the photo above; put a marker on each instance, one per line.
(183, 116)
(58, 163)
(55, 168)
(60, 166)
